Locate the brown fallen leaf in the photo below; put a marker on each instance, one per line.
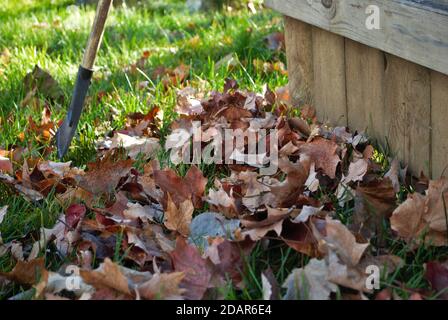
(424, 217)
(285, 193)
(374, 203)
(228, 260)
(107, 275)
(162, 286)
(437, 275)
(192, 186)
(27, 272)
(340, 240)
(178, 218)
(256, 230)
(5, 165)
(324, 154)
(221, 201)
(104, 174)
(276, 41)
(45, 84)
(300, 235)
(187, 259)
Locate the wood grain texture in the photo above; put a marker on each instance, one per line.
(408, 113)
(439, 123)
(299, 54)
(413, 31)
(365, 89)
(96, 35)
(329, 77)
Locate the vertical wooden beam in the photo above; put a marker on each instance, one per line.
(365, 89)
(329, 77)
(299, 54)
(408, 113)
(439, 123)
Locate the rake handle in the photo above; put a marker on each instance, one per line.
(96, 35)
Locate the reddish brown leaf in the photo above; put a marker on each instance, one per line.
(103, 175)
(437, 276)
(324, 154)
(187, 259)
(74, 214)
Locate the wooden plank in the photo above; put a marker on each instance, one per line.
(365, 89)
(329, 77)
(299, 54)
(417, 33)
(408, 113)
(439, 123)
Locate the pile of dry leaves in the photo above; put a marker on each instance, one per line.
(153, 222)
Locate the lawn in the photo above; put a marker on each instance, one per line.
(142, 45)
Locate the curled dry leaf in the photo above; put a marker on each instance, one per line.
(340, 240)
(424, 217)
(286, 192)
(223, 202)
(374, 202)
(134, 145)
(108, 275)
(256, 230)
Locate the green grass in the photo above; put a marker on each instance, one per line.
(174, 36)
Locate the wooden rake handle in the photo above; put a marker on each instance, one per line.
(96, 35)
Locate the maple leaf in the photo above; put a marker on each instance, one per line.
(191, 187)
(178, 218)
(27, 272)
(423, 217)
(104, 174)
(107, 275)
(324, 154)
(187, 259)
